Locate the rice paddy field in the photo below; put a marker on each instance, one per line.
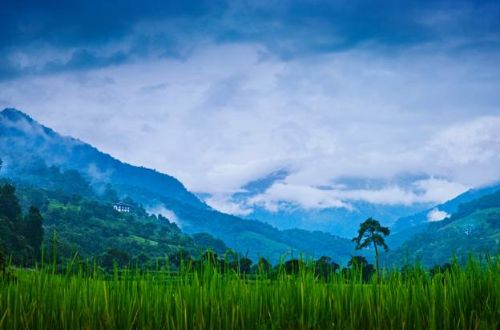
(466, 297)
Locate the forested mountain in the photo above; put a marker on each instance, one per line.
(474, 228)
(407, 227)
(449, 207)
(87, 225)
(25, 145)
(30, 151)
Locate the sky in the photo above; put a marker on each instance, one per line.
(388, 102)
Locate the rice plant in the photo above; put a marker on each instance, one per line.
(461, 297)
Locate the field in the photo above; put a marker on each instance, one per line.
(465, 297)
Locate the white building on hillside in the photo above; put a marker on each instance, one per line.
(122, 207)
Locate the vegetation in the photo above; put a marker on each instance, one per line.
(77, 220)
(449, 298)
(473, 229)
(20, 236)
(371, 233)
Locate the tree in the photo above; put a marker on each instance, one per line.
(372, 233)
(33, 230)
(10, 216)
(245, 265)
(2, 261)
(360, 265)
(9, 204)
(179, 258)
(115, 256)
(324, 267)
(293, 266)
(263, 265)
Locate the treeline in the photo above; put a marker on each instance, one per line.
(21, 235)
(324, 267)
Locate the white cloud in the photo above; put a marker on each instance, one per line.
(306, 197)
(437, 215)
(422, 191)
(438, 190)
(224, 204)
(230, 113)
(169, 214)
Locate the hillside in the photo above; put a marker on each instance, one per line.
(28, 148)
(406, 227)
(88, 225)
(25, 143)
(474, 228)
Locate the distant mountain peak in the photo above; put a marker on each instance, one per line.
(13, 114)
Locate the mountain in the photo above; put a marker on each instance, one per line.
(449, 207)
(341, 221)
(406, 227)
(29, 148)
(473, 228)
(24, 143)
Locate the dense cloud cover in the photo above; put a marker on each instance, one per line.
(354, 100)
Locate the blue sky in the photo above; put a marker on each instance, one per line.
(401, 98)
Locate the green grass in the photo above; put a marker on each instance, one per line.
(466, 297)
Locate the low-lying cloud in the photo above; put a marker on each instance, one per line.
(163, 211)
(227, 113)
(437, 215)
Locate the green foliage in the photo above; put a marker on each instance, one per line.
(3, 261)
(466, 209)
(206, 241)
(115, 257)
(87, 225)
(358, 265)
(459, 298)
(371, 233)
(33, 230)
(473, 229)
(19, 237)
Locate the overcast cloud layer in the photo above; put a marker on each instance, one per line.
(222, 94)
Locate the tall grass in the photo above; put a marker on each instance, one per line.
(465, 297)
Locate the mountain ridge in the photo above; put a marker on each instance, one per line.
(24, 143)
(473, 228)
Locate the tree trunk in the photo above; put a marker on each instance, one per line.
(376, 261)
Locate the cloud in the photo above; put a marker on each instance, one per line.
(437, 215)
(74, 35)
(225, 93)
(224, 204)
(280, 194)
(303, 196)
(325, 119)
(169, 214)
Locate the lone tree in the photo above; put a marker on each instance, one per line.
(33, 230)
(372, 233)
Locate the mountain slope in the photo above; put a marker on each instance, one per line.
(474, 228)
(24, 141)
(26, 146)
(449, 207)
(407, 227)
(89, 226)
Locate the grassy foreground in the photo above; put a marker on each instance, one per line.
(463, 298)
